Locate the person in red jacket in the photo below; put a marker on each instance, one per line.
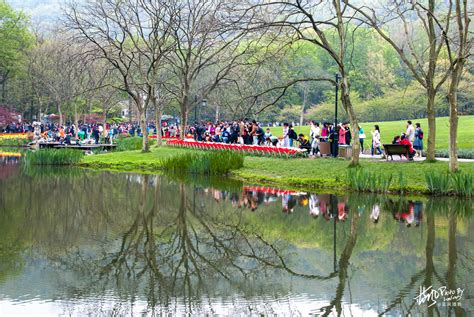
(404, 140)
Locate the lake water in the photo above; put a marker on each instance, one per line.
(85, 243)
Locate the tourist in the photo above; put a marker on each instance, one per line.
(348, 133)
(292, 135)
(286, 137)
(410, 133)
(405, 141)
(325, 132)
(342, 134)
(305, 144)
(376, 145)
(362, 137)
(418, 143)
(315, 134)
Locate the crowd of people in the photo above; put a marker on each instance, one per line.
(86, 133)
(249, 132)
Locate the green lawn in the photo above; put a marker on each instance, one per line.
(319, 173)
(389, 129)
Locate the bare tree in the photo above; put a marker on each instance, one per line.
(459, 44)
(133, 36)
(208, 47)
(324, 24)
(53, 73)
(423, 60)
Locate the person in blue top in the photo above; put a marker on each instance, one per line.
(361, 139)
(418, 143)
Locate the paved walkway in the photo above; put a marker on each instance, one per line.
(397, 158)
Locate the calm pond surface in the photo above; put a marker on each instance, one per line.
(87, 243)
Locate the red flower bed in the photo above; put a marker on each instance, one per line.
(248, 149)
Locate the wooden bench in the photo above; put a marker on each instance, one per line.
(396, 149)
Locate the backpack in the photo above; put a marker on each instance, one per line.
(420, 135)
(293, 135)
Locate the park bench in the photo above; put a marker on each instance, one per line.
(396, 149)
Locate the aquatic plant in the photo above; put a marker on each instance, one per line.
(208, 163)
(437, 183)
(53, 157)
(360, 179)
(462, 184)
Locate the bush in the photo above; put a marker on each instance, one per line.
(208, 163)
(53, 157)
(131, 143)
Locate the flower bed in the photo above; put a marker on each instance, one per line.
(247, 149)
(15, 139)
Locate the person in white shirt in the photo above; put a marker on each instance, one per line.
(286, 137)
(315, 134)
(410, 131)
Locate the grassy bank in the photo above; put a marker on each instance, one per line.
(389, 129)
(309, 174)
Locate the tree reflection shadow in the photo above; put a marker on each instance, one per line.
(186, 254)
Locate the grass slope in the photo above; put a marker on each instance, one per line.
(388, 129)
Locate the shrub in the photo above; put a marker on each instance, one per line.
(208, 163)
(131, 143)
(53, 157)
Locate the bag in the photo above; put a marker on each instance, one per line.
(293, 135)
(420, 135)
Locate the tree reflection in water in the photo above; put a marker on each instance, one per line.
(183, 246)
(187, 255)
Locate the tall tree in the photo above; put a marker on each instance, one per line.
(209, 45)
(421, 57)
(314, 22)
(15, 40)
(132, 36)
(459, 47)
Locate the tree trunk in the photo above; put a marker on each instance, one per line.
(60, 115)
(430, 152)
(76, 122)
(305, 94)
(159, 139)
(184, 122)
(453, 114)
(453, 128)
(145, 143)
(184, 115)
(347, 104)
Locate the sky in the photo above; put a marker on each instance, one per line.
(42, 11)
